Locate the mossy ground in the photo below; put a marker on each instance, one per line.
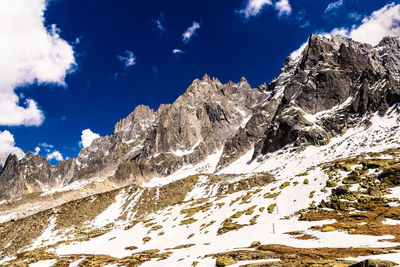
(358, 199)
(290, 256)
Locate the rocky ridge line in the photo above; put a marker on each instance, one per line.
(319, 95)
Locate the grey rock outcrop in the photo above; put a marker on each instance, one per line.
(334, 82)
(33, 173)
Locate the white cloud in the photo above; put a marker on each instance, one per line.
(87, 137)
(381, 23)
(29, 53)
(253, 8)
(284, 7)
(159, 23)
(7, 147)
(45, 146)
(78, 40)
(188, 34)
(333, 6)
(129, 59)
(37, 150)
(52, 154)
(177, 51)
(55, 155)
(342, 32)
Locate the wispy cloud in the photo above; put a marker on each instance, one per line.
(334, 5)
(355, 16)
(45, 146)
(78, 40)
(302, 19)
(37, 150)
(305, 24)
(253, 8)
(159, 23)
(178, 51)
(190, 32)
(284, 7)
(128, 59)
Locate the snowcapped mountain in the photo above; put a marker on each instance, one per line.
(302, 172)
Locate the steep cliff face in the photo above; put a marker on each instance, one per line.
(318, 95)
(325, 91)
(196, 125)
(33, 173)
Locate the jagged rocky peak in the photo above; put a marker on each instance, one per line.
(322, 92)
(206, 113)
(10, 166)
(138, 121)
(389, 50)
(33, 173)
(199, 87)
(141, 115)
(319, 94)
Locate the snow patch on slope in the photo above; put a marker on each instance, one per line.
(207, 166)
(111, 214)
(382, 134)
(77, 185)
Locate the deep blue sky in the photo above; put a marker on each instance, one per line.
(226, 46)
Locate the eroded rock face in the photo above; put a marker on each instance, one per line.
(147, 143)
(318, 95)
(333, 83)
(33, 173)
(196, 125)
